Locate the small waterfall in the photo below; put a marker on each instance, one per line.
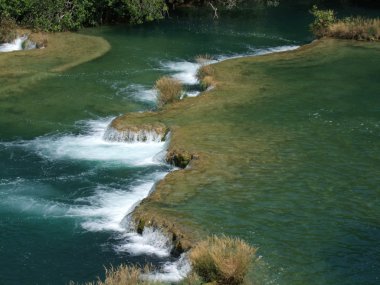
(21, 43)
(132, 135)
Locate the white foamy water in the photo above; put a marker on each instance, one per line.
(138, 92)
(172, 271)
(152, 241)
(184, 71)
(91, 146)
(148, 136)
(259, 51)
(15, 45)
(264, 51)
(108, 207)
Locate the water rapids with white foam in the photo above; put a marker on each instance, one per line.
(66, 193)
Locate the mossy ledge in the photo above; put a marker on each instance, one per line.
(211, 127)
(136, 133)
(62, 51)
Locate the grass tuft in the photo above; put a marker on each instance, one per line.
(223, 260)
(124, 275)
(205, 70)
(169, 90)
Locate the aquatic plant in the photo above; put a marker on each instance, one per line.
(223, 259)
(169, 90)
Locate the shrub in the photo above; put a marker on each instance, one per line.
(7, 30)
(169, 90)
(322, 20)
(222, 259)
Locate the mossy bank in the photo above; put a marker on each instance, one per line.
(234, 137)
(20, 69)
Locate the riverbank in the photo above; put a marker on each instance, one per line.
(63, 51)
(237, 140)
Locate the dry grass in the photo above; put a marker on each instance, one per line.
(207, 82)
(169, 90)
(222, 259)
(205, 70)
(356, 28)
(124, 275)
(205, 76)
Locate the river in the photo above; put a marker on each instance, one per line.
(65, 191)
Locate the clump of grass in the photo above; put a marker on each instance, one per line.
(205, 76)
(169, 90)
(205, 70)
(355, 28)
(207, 82)
(125, 275)
(223, 260)
(7, 30)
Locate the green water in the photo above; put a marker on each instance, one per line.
(313, 210)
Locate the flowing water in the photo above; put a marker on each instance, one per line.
(66, 191)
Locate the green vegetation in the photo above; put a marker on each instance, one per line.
(354, 28)
(223, 260)
(169, 90)
(63, 15)
(7, 30)
(323, 19)
(69, 15)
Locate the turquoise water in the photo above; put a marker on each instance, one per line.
(65, 191)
